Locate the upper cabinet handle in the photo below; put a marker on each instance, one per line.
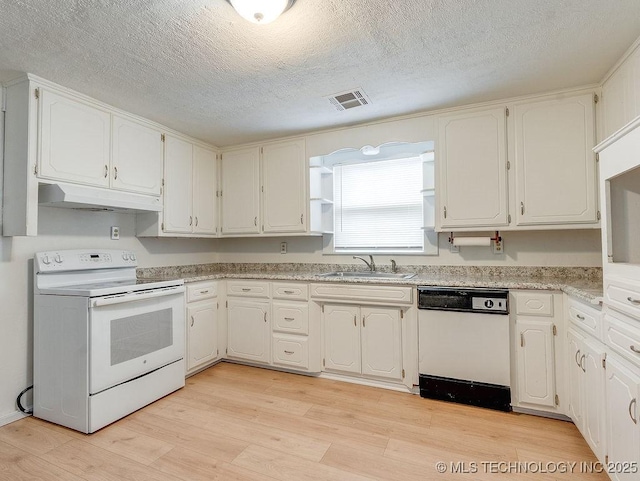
(302, 218)
(255, 221)
(106, 171)
(521, 208)
(445, 211)
(115, 172)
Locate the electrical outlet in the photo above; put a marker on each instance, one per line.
(454, 249)
(498, 246)
(115, 232)
(283, 247)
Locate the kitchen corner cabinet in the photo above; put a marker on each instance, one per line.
(555, 167)
(472, 163)
(537, 355)
(264, 190)
(202, 325)
(621, 95)
(363, 340)
(190, 193)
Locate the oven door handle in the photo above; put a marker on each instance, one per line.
(132, 297)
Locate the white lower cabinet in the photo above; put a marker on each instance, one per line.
(291, 351)
(363, 340)
(248, 330)
(536, 366)
(586, 388)
(623, 432)
(202, 325)
(537, 383)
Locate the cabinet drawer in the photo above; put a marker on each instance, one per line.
(534, 304)
(622, 334)
(291, 351)
(369, 293)
(199, 291)
(585, 317)
(623, 295)
(248, 289)
(281, 290)
(291, 317)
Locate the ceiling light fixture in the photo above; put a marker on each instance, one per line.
(261, 11)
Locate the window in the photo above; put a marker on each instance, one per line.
(378, 206)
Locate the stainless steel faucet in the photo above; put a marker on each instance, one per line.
(370, 264)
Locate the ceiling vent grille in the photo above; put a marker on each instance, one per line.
(349, 100)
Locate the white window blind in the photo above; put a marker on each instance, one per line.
(378, 206)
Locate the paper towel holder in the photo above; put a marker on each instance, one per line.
(497, 239)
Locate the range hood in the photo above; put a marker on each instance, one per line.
(94, 198)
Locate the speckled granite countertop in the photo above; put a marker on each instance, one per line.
(584, 283)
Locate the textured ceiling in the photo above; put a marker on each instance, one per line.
(198, 67)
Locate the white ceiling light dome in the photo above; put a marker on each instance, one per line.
(261, 11)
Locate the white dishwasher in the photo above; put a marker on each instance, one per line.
(464, 346)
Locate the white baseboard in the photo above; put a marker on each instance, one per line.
(12, 417)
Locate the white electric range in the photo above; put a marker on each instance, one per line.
(105, 343)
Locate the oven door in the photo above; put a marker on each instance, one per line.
(133, 334)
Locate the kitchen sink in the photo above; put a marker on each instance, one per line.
(369, 275)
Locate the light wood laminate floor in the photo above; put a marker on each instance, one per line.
(234, 422)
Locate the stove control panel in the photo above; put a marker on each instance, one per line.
(79, 260)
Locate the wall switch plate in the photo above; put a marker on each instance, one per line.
(115, 232)
(283, 247)
(497, 246)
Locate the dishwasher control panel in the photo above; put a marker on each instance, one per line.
(494, 301)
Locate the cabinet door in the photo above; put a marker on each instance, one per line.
(178, 174)
(205, 184)
(74, 140)
(381, 336)
(472, 163)
(136, 162)
(202, 333)
(555, 164)
(284, 183)
(594, 398)
(536, 373)
(240, 171)
(623, 433)
(341, 338)
(576, 378)
(248, 330)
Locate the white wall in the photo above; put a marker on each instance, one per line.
(65, 229)
(535, 248)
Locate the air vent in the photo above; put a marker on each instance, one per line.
(349, 100)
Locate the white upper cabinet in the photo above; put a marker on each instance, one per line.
(554, 162)
(178, 173)
(621, 95)
(472, 161)
(136, 157)
(205, 183)
(241, 191)
(74, 140)
(284, 194)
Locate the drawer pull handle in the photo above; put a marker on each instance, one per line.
(579, 316)
(635, 349)
(205, 291)
(289, 352)
(245, 289)
(292, 319)
(633, 301)
(576, 357)
(632, 403)
(582, 359)
(289, 292)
